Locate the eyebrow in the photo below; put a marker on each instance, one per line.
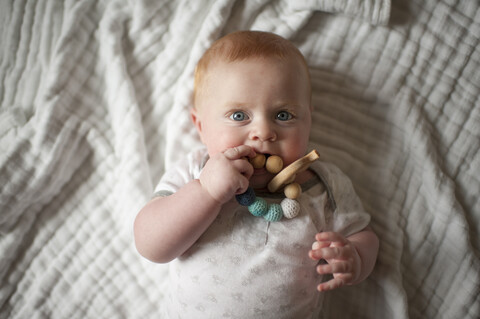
(236, 104)
(275, 104)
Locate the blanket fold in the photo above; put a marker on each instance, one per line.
(94, 106)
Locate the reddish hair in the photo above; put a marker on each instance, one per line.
(241, 45)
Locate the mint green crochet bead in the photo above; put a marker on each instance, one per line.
(259, 207)
(274, 214)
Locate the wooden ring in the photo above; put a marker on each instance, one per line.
(285, 176)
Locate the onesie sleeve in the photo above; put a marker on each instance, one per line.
(347, 215)
(186, 170)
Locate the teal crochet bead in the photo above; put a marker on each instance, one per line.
(274, 214)
(259, 207)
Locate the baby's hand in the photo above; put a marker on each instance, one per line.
(227, 174)
(343, 260)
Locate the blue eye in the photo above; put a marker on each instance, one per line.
(284, 116)
(239, 116)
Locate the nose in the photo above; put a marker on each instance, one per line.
(263, 130)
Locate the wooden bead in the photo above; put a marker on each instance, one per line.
(258, 161)
(274, 164)
(293, 191)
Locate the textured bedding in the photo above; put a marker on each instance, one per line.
(94, 107)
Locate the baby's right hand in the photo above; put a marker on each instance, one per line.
(227, 174)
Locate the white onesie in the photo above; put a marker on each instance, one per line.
(246, 267)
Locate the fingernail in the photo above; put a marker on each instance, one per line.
(316, 245)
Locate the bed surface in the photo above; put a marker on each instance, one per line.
(94, 107)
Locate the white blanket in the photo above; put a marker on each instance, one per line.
(94, 106)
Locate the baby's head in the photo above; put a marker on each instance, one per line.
(243, 45)
(253, 88)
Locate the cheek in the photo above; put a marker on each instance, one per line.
(218, 140)
(296, 146)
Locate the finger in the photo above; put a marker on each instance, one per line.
(331, 284)
(329, 253)
(243, 179)
(320, 244)
(331, 236)
(315, 247)
(243, 184)
(341, 267)
(244, 167)
(238, 152)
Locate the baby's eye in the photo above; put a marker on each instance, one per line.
(239, 116)
(284, 116)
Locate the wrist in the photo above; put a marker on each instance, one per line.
(366, 245)
(208, 196)
(359, 264)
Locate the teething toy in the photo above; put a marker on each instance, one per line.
(288, 174)
(289, 206)
(274, 164)
(292, 190)
(258, 161)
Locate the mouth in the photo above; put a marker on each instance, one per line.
(260, 171)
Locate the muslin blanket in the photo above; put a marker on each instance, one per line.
(94, 107)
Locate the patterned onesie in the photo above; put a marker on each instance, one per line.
(246, 267)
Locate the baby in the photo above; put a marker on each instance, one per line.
(253, 96)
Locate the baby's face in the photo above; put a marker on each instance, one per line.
(262, 103)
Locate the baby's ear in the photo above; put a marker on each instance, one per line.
(196, 119)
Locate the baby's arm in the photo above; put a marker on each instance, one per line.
(167, 226)
(349, 259)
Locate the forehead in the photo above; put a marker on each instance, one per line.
(247, 72)
(289, 59)
(290, 67)
(256, 80)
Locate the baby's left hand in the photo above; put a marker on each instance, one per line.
(343, 260)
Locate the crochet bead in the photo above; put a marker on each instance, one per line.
(274, 164)
(247, 198)
(290, 208)
(274, 213)
(259, 207)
